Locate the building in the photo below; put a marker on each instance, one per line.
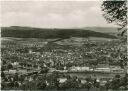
(117, 70)
(79, 69)
(102, 69)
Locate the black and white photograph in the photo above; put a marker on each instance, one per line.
(60, 45)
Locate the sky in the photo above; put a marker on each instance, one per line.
(53, 14)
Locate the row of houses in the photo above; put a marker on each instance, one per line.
(113, 69)
(107, 69)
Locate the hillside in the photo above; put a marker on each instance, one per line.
(103, 29)
(29, 32)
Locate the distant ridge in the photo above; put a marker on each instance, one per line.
(103, 29)
(47, 33)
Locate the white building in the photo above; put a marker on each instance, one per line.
(102, 69)
(15, 64)
(117, 70)
(12, 71)
(79, 68)
(62, 80)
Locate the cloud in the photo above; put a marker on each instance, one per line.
(52, 14)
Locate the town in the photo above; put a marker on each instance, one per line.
(64, 45)
(89, 60)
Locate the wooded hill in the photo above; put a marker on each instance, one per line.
(47, 33)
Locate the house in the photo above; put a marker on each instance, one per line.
(22, 71)
(79, 68)
(15, 64)
(12, 71)
(52, 69)
(85, 69)
(62, 80)
(30, 51)
(117, 70)
(102, 69)
(83, 81)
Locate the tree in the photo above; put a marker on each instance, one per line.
(93, 63)
(116, 12)
(115, 83)
(9, 66)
